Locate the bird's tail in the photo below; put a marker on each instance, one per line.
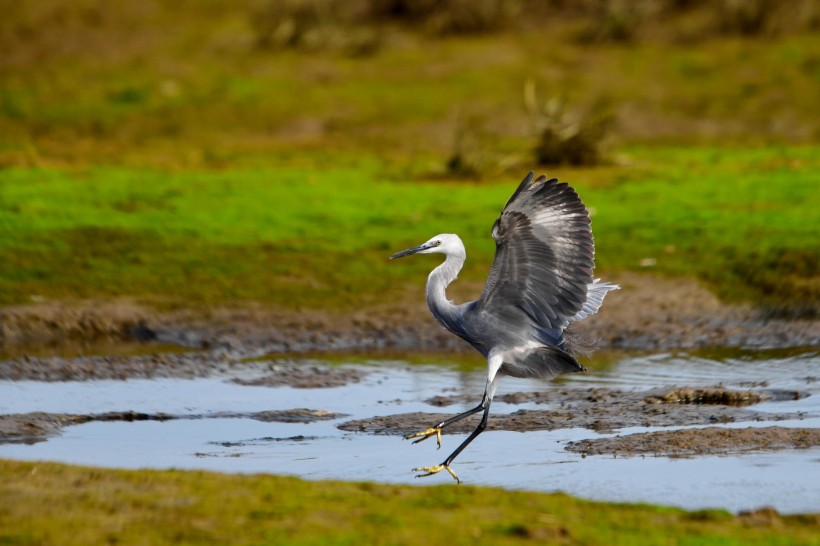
(595, 298)
(578, 343)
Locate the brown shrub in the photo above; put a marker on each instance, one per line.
(568, 136)
(448, 16)
(314, 25)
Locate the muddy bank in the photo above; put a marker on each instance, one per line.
(700, 441)
(599, 409)
(34, 427)
(297, 373)
(648, 313)
(720, 396)
(609, 410)
(304, 376)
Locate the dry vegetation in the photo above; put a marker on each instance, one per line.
(296, 23)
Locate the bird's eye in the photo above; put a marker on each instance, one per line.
(437, 243)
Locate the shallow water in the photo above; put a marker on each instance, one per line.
(786, 480)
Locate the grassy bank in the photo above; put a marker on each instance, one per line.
(741, 220)
(174, 152)
(43, 503)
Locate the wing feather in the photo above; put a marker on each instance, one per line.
(544, 257)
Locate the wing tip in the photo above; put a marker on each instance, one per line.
(521, 187)
(530, 181)
(542, 179)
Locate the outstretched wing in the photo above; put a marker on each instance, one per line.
(543, 259)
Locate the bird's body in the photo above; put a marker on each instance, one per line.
(540, 282)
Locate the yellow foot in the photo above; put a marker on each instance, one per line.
(426, 434)
(430, 470)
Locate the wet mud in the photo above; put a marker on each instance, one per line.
(34, 427)
(266, 440)
(649, 313)
(297, 373)
(600, 409)
(700, 441)
(305, 377)
(609, 410)
(668, 395)
(258, 346)
(603, 410)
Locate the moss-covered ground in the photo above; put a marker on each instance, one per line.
(44, 503)
(743, 220)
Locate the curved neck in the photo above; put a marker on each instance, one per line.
(437, 282)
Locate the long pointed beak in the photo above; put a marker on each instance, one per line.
(410, 251)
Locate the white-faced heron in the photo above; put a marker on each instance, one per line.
(540, 282)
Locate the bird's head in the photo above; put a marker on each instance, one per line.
(445, 243)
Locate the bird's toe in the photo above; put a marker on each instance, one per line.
(423, 435)
(430, 470)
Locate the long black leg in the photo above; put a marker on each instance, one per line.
(482, 406)
(430, 470)
(478, 430)
(436, 430)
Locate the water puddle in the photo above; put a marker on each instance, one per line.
(216, 430)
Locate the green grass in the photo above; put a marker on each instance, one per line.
(155, 152)
(42, 503)
(742, 220)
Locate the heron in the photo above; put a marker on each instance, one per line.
(541, 281)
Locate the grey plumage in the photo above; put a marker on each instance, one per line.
(541, 280)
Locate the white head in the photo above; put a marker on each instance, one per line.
(448, 244)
